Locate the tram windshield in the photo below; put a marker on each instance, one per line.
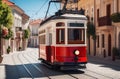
(76, 36)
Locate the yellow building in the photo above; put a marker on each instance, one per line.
(107, 32)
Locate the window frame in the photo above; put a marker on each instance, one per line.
(57, 36)
(82, 41)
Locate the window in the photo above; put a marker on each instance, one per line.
(59, 24)
(76, 36)
(50, 38)
(60, 36)
(43, 31)
(76, 24)
(42, 39)
(103, 41)
(98, 41)
(18, 28)
(97, 14)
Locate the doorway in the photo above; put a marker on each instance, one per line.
(109, 45)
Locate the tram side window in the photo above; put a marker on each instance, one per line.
(76, 36)
(42, 39)
(60, 36)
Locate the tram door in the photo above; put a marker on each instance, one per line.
(49, 49)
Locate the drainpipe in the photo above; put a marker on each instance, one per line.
(115, 29)
(95, 26)
(0, 40)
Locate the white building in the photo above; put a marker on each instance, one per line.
(34, 25)
(19, 21)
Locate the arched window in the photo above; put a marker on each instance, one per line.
(59, 24)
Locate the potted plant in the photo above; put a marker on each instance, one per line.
(20, 48)
(114, 53)
(8, 49)
(115, 17)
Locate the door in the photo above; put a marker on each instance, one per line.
(109, 45)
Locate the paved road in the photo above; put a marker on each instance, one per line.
(25, 65)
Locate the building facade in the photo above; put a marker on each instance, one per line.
(107, 32)
(34, 25)
(19, 21)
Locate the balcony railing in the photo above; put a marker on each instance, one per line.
(34, 34)
(102, 21)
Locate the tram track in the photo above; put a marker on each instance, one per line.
(85, 74)
(67, 73)
(36, 67)
(76, 76)
(57, 71)
(26, 69)
(30, 74)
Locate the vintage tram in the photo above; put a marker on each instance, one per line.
(62, 41)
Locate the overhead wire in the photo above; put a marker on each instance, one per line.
(49, 7)
(56, 6)
(40, 8)
(43, 6)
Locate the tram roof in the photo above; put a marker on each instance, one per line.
(65, 16)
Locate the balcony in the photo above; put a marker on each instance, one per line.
(19, 35)
(104, 21)
(34, 34)
(18, 29)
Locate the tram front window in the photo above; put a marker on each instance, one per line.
(76, 36)
(60, 36)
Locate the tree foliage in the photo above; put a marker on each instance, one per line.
(115, 17)
(26, 33)
(91, 30)
(9, 35)
(6, 18)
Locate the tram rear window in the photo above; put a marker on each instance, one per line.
(76, 24)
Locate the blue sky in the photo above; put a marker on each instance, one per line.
(36, 8)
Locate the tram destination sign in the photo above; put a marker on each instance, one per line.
(76, 24)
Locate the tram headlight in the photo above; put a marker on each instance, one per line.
(76, 52)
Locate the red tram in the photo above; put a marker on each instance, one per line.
(62, 41)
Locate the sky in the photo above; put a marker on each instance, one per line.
(36, 9)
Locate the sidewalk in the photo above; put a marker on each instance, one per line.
(107, 60)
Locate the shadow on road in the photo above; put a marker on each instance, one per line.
(104, 62)
(18, 71)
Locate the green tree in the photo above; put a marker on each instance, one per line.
(6, 18)
(26, 33)
(115, 17)
(9, 35)
(91, 32)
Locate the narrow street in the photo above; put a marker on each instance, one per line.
(25, 65)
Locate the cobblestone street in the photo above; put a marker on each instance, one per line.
(25, 65)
